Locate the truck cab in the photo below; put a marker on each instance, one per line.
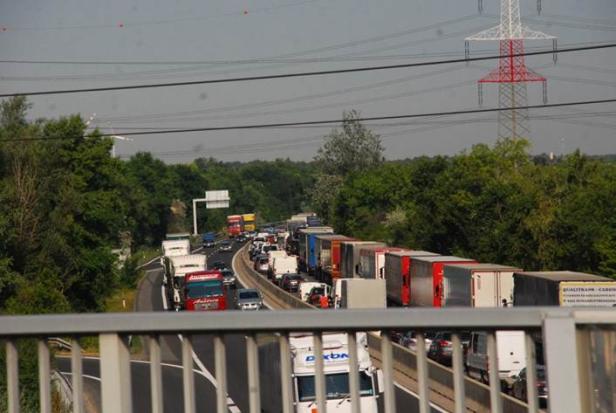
(205, 291)
(336, 369)
(209, 240)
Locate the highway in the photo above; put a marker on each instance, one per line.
(150, 298)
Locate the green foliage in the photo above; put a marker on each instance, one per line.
(353, 149)
(493, 204)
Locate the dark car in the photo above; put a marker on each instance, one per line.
(441, 347)
(314, 296)
(225, 246)
(240, 239)
(218, 265)
(518, 389)
(291, 282)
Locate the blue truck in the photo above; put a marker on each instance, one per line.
(209, 239)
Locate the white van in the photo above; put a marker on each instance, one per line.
(511, 353)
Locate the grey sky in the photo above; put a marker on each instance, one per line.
(351, 32)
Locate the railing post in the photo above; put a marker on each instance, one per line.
(156, 378)
(285, 373)
(115, 374)
(12, 376)
(496, 400)
(388, 373)
(422, 373)
(531, 374)
(77, 376)
(252, 361)
(44, 370)
(457, 363)
(354, 390)
(561, 357)
(319, 373)
(220, 361)
(188, 376)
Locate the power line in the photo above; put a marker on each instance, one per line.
(336, 121)
(301, 74)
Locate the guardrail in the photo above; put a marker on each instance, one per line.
(566, 341)
(448, 387)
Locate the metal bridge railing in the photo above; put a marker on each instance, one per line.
(566, 342)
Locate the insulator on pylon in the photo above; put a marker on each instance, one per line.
(480, 94)
(539, 7)
(555, 48)
(480, 6)
(545, 92)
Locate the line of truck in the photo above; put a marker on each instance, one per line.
(416, 278)
(187, 280)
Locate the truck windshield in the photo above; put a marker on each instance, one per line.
(204, 289)
(336, 386)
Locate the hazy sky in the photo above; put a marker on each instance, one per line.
(207, 39)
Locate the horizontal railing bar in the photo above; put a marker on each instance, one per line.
(285, 320)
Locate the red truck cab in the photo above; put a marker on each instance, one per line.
(205, 291)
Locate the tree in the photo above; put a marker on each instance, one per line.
(352, 149)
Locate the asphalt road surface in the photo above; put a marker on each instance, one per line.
(150, 297)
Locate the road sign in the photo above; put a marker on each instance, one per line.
(217, 199)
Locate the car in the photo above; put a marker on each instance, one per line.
(291, 282)
(225, 246)
(249, 299)
(314, 296)
(262, 263)
(228, 277)
(409, 339)
(218, 265)
(518, 388)
(441, 347)
(240, 239)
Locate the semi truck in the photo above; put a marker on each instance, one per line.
(250, 222)
(372, 261)
(234, 225)
(336, 369)
(179, 267)
(349, 256)
(172, 248)
(328, 256)
(398, 266)
(563, 288)
(427, 279)
(307, 241)
(204, 291)
(477, 285)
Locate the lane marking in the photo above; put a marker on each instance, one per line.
(203, 371)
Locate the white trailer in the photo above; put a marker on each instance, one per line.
(336, 369)
(180, 266)
(172, 248)
(477, 285)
